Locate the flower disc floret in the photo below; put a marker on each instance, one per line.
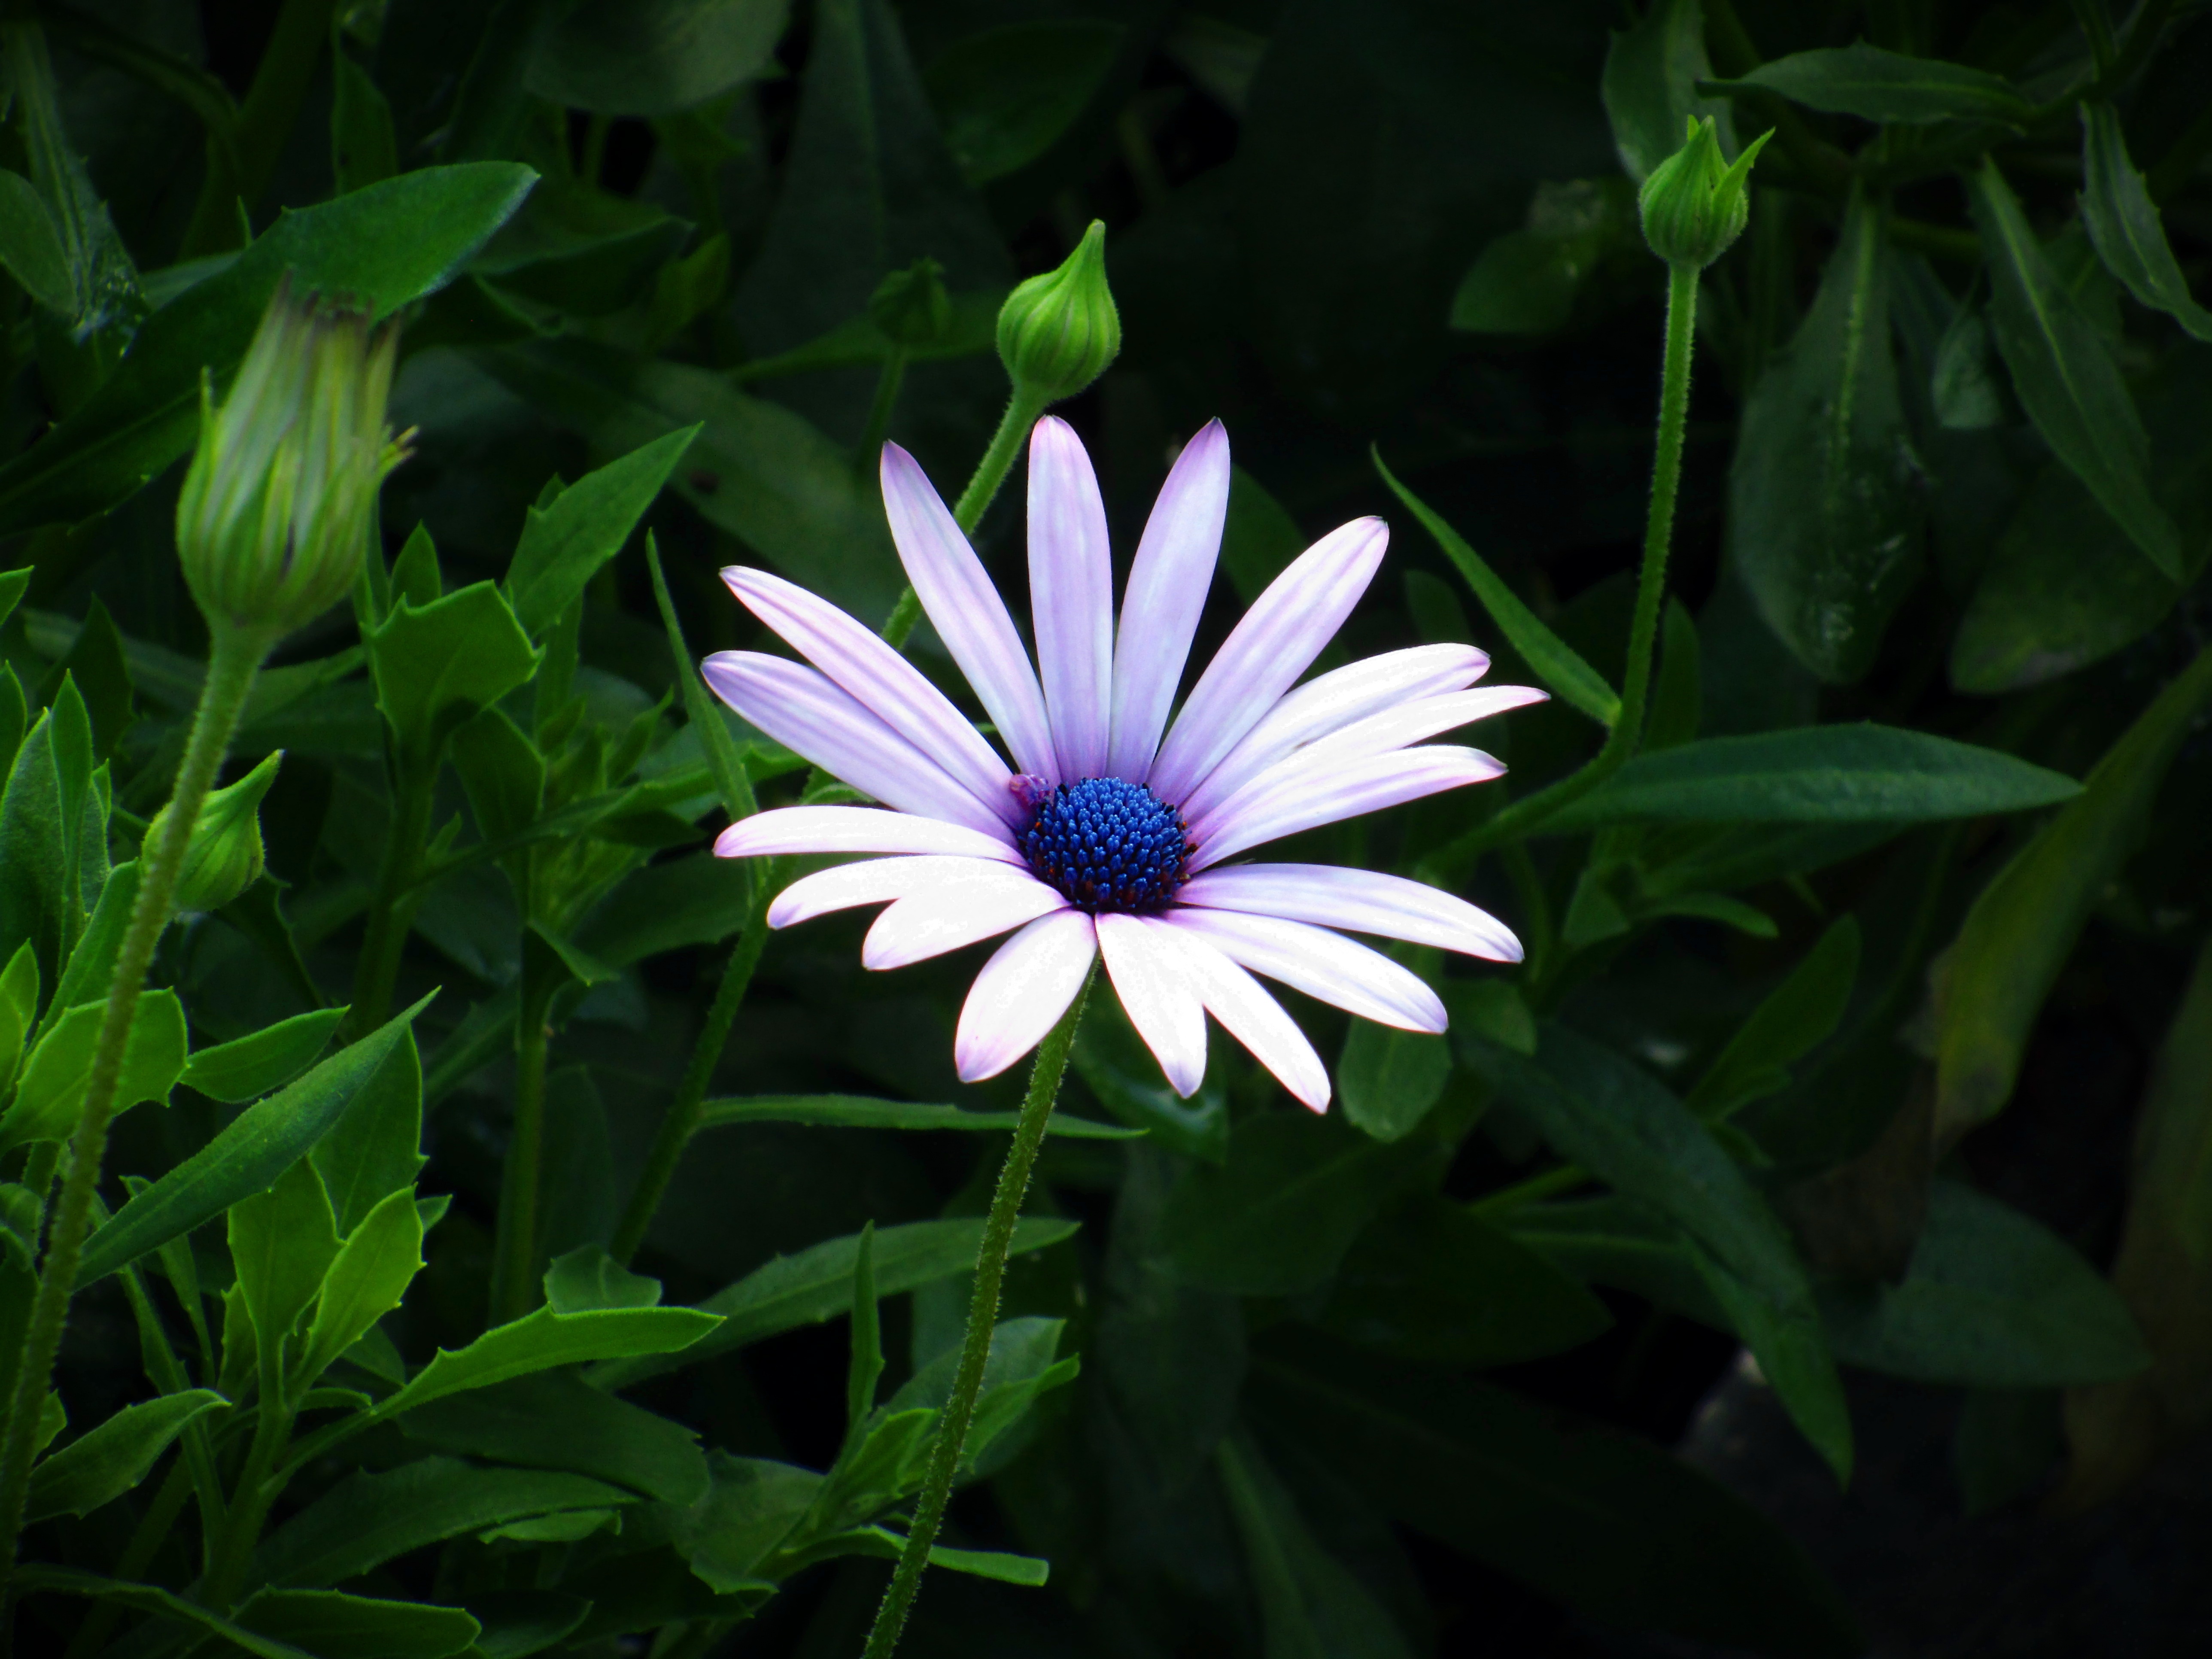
(1105, 844)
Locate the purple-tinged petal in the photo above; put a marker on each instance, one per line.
(1283, 632)
(1168, 583)
(857, 830)
(929, 923)
(1324, 965)
(804, 711)
(1333, 701)
(883, 681)
(1156, 995)
(1255, 1019)
(967, 612)
(1314, 769)
(1367, 786)
(1022, 992)
(876, 881)
(1071, 597)
(1358, 901)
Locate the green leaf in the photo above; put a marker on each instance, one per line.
(249, 1067)
(96, 662)
(1797, 1015)
(1387, 1079)
(861, 1112)
(1020, 1366)
(388, 245)
(363, 150)
(283, 1242)
(1826, 495)
(751, 1509)
(1004, 95)
(554, 1420)
(366, 1279)
(1260, 538)
(1550, 658)
(331, 1625)
(153, 1600)
(1651, 87)
(1826, 774)
(1990, 984)
(564, 544)
(1433, 1281)
(44, 814)
(1614, 1527)
(2066, 374)
(1119, 1071)
(541, 1340)
(1618, 1243)
(1790, 1343)
(654, 56)
(1992, 1300)
(2122, 221)
(368, 1519)
(101, 1466)
(13, 584)
(31, 248)
(50, 1096)
(701, 710)
(503, 773)
(436, 664)
(91, 965)
(1279, 1216)
(587, 1280)
(1877, 85)
(373, 1149)
(247, 1158)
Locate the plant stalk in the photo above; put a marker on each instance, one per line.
(951, 1436)
(887, 385)
(514, 1253)
(233, 662)
(392, 908)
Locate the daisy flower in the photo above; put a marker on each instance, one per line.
(1111, 832)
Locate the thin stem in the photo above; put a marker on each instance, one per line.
(255, 1491)
(235, 657)
(951, 1436)
(997, 460)
(514, 1253)
(391, 909)
(879, 411)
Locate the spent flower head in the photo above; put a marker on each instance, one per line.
(273, 521)
(1694, 204)
(1057, 332)
(225, 856)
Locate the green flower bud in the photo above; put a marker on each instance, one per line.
(274, 518)
(1694, 204)
(911, 305)
(224, 857)
(1058, 331)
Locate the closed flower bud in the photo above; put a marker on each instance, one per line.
(224, 857)
(1058, 331)
(911, 305)
(274, 518)
(1694, 204)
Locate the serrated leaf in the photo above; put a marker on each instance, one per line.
(250, 1067)
(564, 544)
(2123, 222)
(102, 1465)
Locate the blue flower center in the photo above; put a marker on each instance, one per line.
(1107, 845)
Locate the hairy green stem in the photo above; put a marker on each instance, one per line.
(514, 1252)
(232, 664)
(997, 460)
(951, 1437)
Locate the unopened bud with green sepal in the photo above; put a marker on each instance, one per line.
(274, 520)
(1694, 204)
(225, 857)
(1058, 331)
(911, 306)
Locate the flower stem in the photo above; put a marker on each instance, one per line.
(997, 460)
(951, 1436)
(514, 1251)
(232, 664)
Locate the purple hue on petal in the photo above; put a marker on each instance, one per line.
(966, 610)
(1168, 583)
(876, 881)
(1283, 632)
(857, 830)
(1313, 769)
(940, 918)
(1022, 992)
(1358, 901)
(1071, 597)
(805, 712)
(1324, 965)
(1255, 1019)
(1334, 700)
(1156, 995)
(883, 681)
(1368, 785)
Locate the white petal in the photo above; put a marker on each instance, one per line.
(1264, 655)
(1022, 992)
(1360, 901)
(1324, 965)
(1156, 995)
(801, 710)
(885, 682)
(1255, 1019)
(857, 830)
(1334, 700)
(1313, 769)
(1367, 785)
(967, 611)
(1168, 584)
(874, 881)
(930, 923)
(1071, 597)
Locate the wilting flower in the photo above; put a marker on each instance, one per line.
(1105, 839)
